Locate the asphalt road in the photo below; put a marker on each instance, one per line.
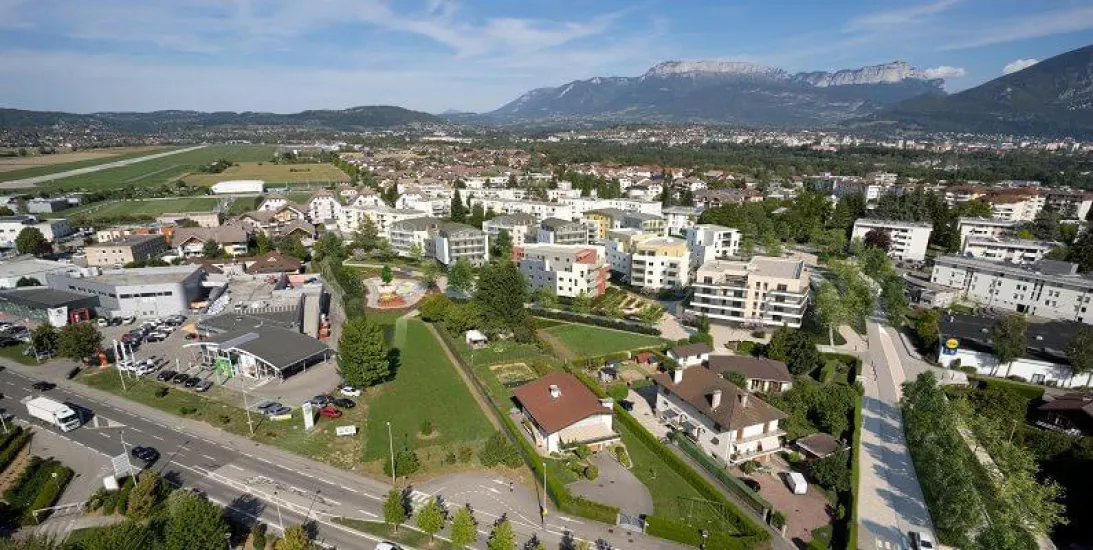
(256, 481)
(890, 500)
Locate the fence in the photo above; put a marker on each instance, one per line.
(748, 497)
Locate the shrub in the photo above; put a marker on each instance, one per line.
(777, 519)
(258, 536)
(186, 410)
(72, 373)
(618, 392)
(591, 472)
(597, 320)
(17, 439)
(498, 450)
(758, 334)
(161, 392)
(406, 463)
(582, 451)
(746, 348)
(749, 467)
(832, 472)
(449, 458)
(623, 456)
(123, 495)
(466, 453)
(224, 419)
(426, 427)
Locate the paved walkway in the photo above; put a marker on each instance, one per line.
(616, 486)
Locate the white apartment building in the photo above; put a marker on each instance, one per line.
(11, 226)
(709, 242)
(660, 263)
(522, 228)
(679, 218)
(1016, 208)
(619, 247)
(414, 233)
(564, 270)
(382, 216)
(909, 239)
(438, 207)
(764, 291)
(455, 241)
(323, 207)
(1048, 289)
(1071, 204)
(541, 210)
(559, 231)
(984, 228)
(582, 205)
(726, 422)
(1017, 251)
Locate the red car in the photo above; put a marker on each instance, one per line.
(330, 412)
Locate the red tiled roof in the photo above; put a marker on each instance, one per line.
(576, 402)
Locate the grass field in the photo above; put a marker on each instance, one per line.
(589, 341)
(154, 207)
(161, 170)
(272, 173)
(426, 387)
(244, 204)
(17, 168)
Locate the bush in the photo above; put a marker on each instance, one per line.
(749, 467)
(466, 453)
(224, 419)
(72, 373)
(758, 334)
(426, 427)
(747, 348)
(591, 472)
(777, 519)
(498, 450)
(186, 410)
(832, 472)
(258, 536)
(406, 463)
(623, 456)
(582, 451)
(162, 391)
(123, 495)
(596, 320)
(618, 392)
(16, 439)
(95, 501)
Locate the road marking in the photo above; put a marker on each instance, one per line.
(103, 434)
(156, 437)
(209, 457)
(136, 430)
(236, 467)
(350, 489)
(373, 497)
(367, 513)
(326, 482)
(336, 503)
(297, 489)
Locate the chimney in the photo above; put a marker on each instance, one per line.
(677, 376)
(744, 399)
(555, 391)
(715, 399)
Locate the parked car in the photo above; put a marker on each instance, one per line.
(344, 403)
(42, 385)
(322, 400)
(203, 386)
(146, 454)
(102, 322)
(156, 337)
(751, 483)
(130, 319)
(330, 411)
(191, 381)
(166, 376)
(349, 391)
(387, 546)
(921, 541)
(180, 378)
(279, 411)
(261, 407)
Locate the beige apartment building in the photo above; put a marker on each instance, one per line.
(764, 291)
(127, 249)
(660, 263)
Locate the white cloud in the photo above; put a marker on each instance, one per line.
(945, 71)
(1018, 64)
(1024, 27)
(897, 18)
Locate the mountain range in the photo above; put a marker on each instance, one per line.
(1053, 98)
(351, 119)
(726, 93)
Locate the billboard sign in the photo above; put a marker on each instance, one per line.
(950, 347)
(223, 366)
(309, 415)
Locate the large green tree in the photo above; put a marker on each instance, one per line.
(461, 276)
(1010, 339)
(1081, 252)
(394, 509)
(77, 341)
(366, 237)
(832, 311)
(893, 298)
(295, 538)
(44, 338)
(501, 246)
(196, 524)
(501, 294)
(926, 327)
(31, 241)
(459, 211)
(144, 498)
(502, 537)
(1080, 353)
(464, 528)
(431, 518)
(364, 357)
(794, 348)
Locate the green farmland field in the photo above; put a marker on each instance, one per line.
(154, 207)
(161, 170)
(57, 167)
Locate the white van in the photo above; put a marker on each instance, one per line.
(796, 483)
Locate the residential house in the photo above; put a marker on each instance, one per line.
(133, 248)
(690, 355)
(1070, 413)
(560, 413)
(190, 241)
(760, 374)
(725, 421)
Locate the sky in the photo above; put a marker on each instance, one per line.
(435, 55)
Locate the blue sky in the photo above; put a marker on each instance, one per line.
(290, 55)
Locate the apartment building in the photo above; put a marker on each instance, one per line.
(383, 217)
(984, 228)
(1017, 251)
(564, 270)
(522, 228)
(231, 238)
(709, 242)
(322, 207)
(128, 249)
(649, 223)
(1048, 289)
(11, 226)
(1022, 207)
(541, 210)
(679, 218)
(559, 231)
(909, 239)
(603, 220)
(727, 422)
(619, 247)
(414, 234)
(660, 263)
(764, 291)
(439, 207)
(583, 204)
(1071, 204)
(457, 241)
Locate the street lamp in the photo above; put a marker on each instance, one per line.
(391, 444)
(246, 407)
(313, 499)
(228, 539)
(280, 520)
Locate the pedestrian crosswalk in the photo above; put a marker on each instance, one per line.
(419, 499)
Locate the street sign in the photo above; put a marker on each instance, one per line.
(345, 430)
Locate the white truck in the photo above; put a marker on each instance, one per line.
(53, 412)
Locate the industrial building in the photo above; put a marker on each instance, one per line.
(143, 292)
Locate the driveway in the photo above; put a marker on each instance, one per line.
(615, 486)
(803, 512)
(643, 401)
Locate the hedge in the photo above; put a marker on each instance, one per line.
(1026, 390)
(596, 320)
(36, 489)
(679, 531)
(18, 438)
(48, 494)
(758, 503)
(855, 474)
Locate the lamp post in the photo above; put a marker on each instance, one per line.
(391, 444)
(313, 499)
(246, 408)
(228, 539)
(280, 520)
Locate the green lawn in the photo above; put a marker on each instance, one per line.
(244, 204)
(15, 353)
(588, 340)
(426, 387)
(147, 207)
(664, 484)
(64, 167)
(500, 351)
(162, 170)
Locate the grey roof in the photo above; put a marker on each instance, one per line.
(642, 216)
(132, 240)
(42, 297)
(453, 228)
(757, 368)
(1046, 341)
(229, 322)
(612, 212)
(1043, 270)
(819, 444)
(691, 350)
(555, 224)
(418, 224)
(279, 347)
(225, 234)
(511, 220)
